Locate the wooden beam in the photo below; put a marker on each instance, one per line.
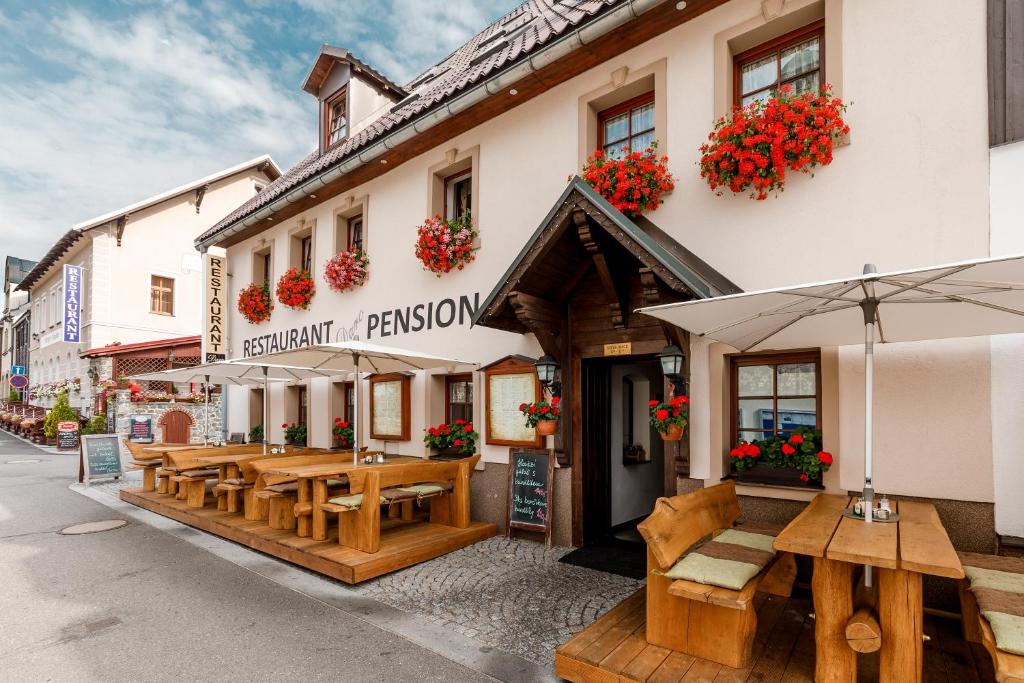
(121, 223)
(541, 317)
(619, 303)
(650, 294)
(200, 193)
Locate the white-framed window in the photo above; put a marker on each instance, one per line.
(458, 195)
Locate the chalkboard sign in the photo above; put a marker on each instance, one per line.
(141, 429)
(100, 458)
(67, 436)
(530, 483)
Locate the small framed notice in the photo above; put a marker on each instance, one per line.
(509, 383)
(389, 407)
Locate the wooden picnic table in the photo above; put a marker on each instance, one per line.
(312, 489)
(900, 551)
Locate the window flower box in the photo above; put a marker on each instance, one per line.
(446, 245)
(780, 460)
(295, 289)
(254, 303)
(634, 183)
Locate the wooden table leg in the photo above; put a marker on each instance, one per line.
(901, 616)
(319, 516)
(832, 585)
(304, 521)
(222, 474)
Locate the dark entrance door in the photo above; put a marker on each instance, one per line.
(623, 458)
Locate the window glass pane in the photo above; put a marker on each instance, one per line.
(797, 379)
(643, 118)
(748, 435)
(755, 413)
(808, 83)
(458, 392)
(755, 380)
(614, 151)
(616, 128)
(760, 95)
(797, 412)
(641, 142)
(800, 58)
(759, 74)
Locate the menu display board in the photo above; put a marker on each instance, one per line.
(99, 458)
(389, 407)
(67, 436)
(505, 422)
(531, 479)
(141, 429)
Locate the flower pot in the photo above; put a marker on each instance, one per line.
(547, 427)
(762, 473)
(674, 433)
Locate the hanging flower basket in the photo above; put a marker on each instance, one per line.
(670, 417)
(750, 150)
(347, 270)
(254, 303)
(445, 245)
(634, 184)
(542, 415)
(295, 289)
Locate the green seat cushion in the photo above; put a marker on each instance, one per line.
(1008, 630)
(337, 482)
(995, 579)
(424, 490)
(352, 502)
(712, 571)
(729, 560)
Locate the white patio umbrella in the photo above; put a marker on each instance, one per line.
(235, 374)
(971, 298)
(342, 357)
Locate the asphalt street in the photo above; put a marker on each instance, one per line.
(140, 604)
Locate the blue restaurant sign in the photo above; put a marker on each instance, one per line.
(72, 303)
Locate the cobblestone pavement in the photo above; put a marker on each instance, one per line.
(513, 595)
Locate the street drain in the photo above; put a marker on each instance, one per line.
(21, 462)
(92, 527)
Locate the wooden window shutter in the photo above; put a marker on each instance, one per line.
(1005, 71)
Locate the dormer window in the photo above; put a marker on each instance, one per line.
(337, 118)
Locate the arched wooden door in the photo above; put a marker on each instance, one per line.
(177, 427)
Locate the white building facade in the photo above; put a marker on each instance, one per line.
(510, 116)
(140, 278)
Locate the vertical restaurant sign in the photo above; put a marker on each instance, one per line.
(72, 303)
(214, 341)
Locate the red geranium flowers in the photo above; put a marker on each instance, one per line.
(445, 245)
(798, 451)
(346, 270)
(254, 303)
(751, 149)
(459, 435)
(296, 288)
(675, 411)
(634, 183)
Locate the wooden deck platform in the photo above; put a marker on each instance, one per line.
(613, 650)
(402, 543)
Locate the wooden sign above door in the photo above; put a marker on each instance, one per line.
(619, 349)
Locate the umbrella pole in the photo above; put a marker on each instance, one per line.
(355, 410)
(870, 308)
(206, 396)
(266, 409)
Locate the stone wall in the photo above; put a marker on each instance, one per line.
(125, 408)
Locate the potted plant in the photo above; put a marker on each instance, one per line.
(670, 417)
(14, 396)
(254, 303)
(294, 434)
(634, 183)
(445, 245)
(782, 459)
(344, 435)
(256, 434)
(455, 438)
(347, 270)
(542, 415)
(750, 150)
(60, 412)
(295, 289)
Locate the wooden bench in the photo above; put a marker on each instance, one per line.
(1009, 667)
(186, 477)
(696, 619)
(257, 477)
(149, 462)
(359, 525)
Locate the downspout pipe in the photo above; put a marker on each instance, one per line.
(566, 44)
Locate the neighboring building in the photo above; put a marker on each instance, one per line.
(140, 278)
(499, 125)
(16, 305)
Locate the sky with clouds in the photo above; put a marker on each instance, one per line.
(106, 102)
